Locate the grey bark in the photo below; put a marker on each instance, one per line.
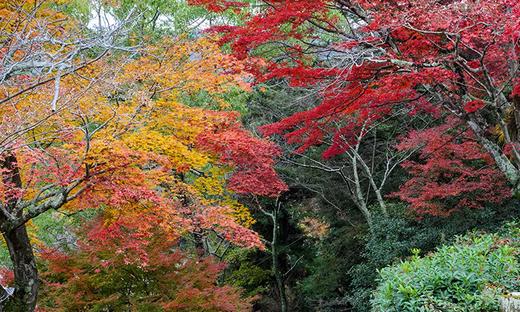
(18, 243)
(510, 302)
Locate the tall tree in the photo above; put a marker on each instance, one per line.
(41, 52)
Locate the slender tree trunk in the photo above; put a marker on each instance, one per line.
(276, 265)
(360, 199)
(18, 243)
(368, 172)
(381, 202)
(366, 214)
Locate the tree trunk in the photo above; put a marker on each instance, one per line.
(505, 165)
(276, 266)
(381, 201)
(510, 302)
(360, 199)
(25, 272)
(18, 243)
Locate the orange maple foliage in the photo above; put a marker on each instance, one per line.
(160, 180)
(116, 135)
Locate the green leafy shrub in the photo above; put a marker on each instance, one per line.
(469, 275)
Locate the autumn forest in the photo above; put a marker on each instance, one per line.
(260, 155)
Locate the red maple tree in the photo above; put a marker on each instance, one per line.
(366, 58)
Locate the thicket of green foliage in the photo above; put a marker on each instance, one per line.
(469, 275)
(339, 271)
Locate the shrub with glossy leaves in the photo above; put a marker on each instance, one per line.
(469, 275)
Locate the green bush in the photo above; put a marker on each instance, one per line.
(469, 275)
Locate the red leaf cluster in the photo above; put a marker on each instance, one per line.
(452, 172)
(252, 158)
(168, 280)
(444, 45)
(473, 106)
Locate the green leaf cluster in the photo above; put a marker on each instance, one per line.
(469, 275)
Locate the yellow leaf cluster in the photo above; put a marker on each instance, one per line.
(134, 124)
